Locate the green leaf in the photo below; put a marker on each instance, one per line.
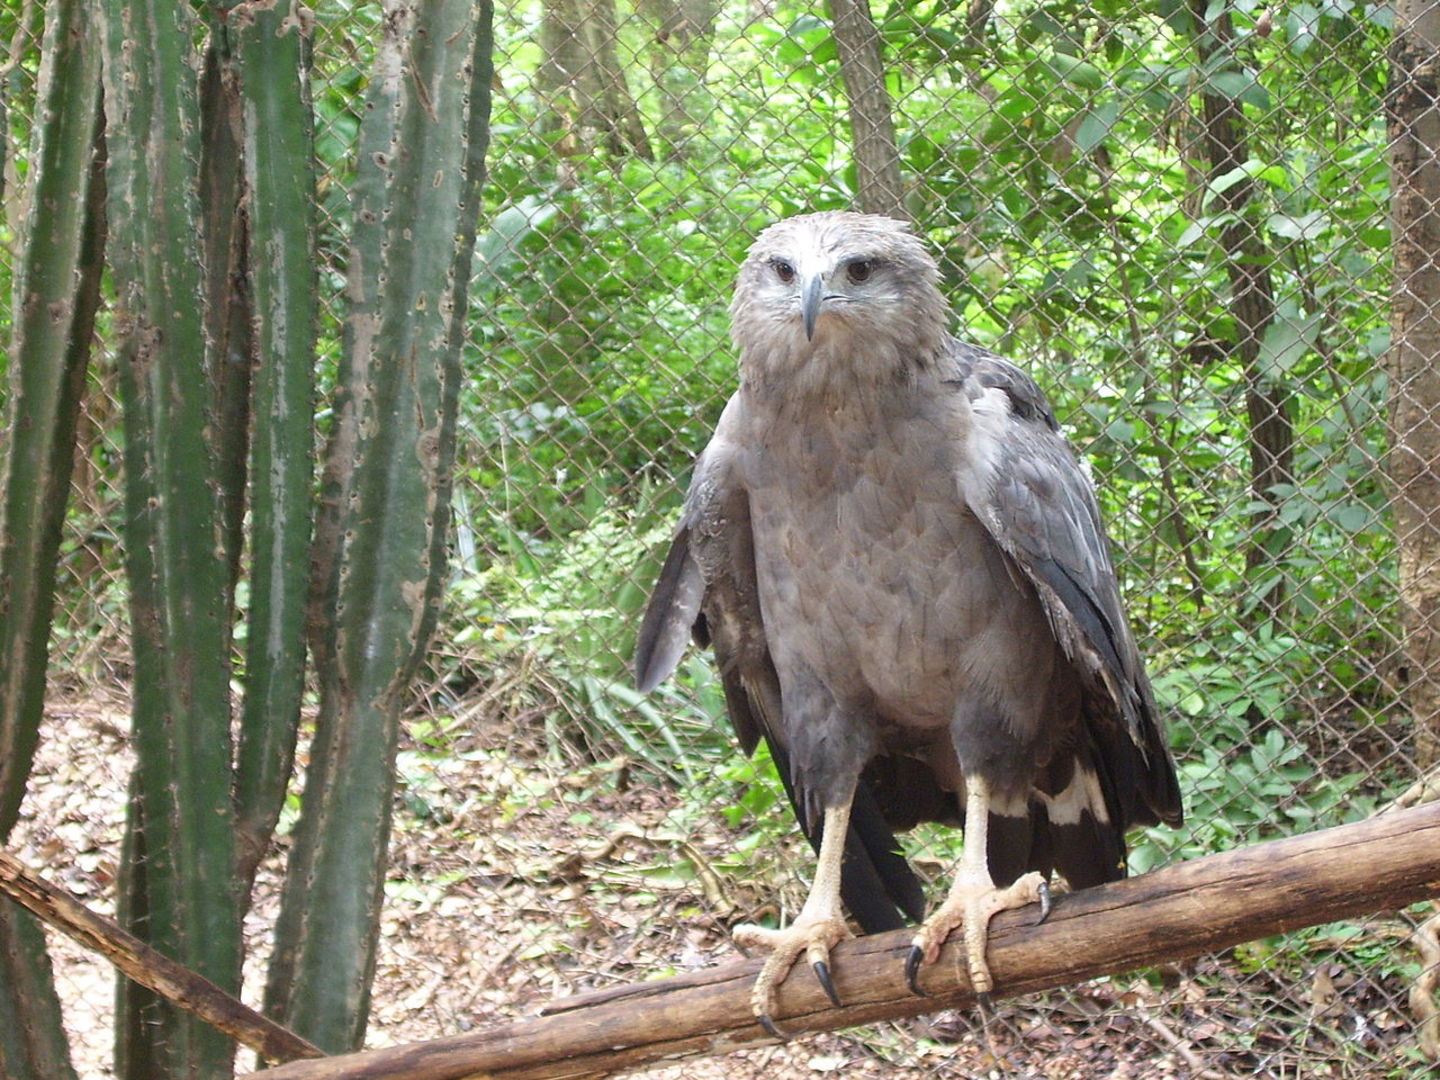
(1274, 176)
(1309, 226)
(1076, 72)
(501, 243)
(1193, 232)
(1351, 517)
(807, 46)
(1096, 127)
(1287, 340)
(1238, 85)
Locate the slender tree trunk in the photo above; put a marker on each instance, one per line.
(872, 127)
(1267, 404)
(679, 60)
(557, 79)
(619, 114)
(977, 19)
(582, 81)
(1414, 360)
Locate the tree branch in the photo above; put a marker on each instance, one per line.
(1211, 903)
(147, 966)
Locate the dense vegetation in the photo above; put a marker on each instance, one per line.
(1173, 212)
(1058, 164)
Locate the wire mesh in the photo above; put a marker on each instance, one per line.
(1174, 216)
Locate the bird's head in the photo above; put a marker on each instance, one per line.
(851, 288)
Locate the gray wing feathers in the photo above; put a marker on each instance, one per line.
(675, 602)
(1043, 514)
(1037, 502)
(673, 608)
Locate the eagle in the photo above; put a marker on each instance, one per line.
(902, 571)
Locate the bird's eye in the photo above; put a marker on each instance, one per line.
(784, 271)
(859, 270)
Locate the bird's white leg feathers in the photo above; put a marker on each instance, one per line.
(819, 926)
(974, 899)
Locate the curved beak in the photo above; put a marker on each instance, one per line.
(810, 303)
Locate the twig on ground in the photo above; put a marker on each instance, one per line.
(1180, 1046)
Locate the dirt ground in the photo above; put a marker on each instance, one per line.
(517, 879)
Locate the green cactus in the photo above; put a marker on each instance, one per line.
(279, 178)
(181, 819)
(211, 376)
(385, 497)
(33, 1045)
(57, 295)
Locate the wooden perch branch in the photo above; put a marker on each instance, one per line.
(1211, 903)
(148, 967)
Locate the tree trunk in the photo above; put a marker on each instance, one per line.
(872, 127)
(582, 82)
(619, 115)
(679, 62)
(1252, 304)
(1414, 359)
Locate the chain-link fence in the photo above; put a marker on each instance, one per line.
(1174, 216)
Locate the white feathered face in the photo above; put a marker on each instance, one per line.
(827, 282)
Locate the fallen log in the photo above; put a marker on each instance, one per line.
(1210, 903)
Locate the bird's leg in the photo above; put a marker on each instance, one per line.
(818, 927)
(973, 899)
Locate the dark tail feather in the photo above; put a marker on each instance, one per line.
(1087, 852)
(1088, 845)
(876, 881)
(878, 887)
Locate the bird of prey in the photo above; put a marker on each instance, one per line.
(902, 572)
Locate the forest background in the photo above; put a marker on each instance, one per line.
(1203, 226)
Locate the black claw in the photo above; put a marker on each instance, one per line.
(1044, 902)
(822, 972)
(769, 1026)
(986, 1003)
(912, 970)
